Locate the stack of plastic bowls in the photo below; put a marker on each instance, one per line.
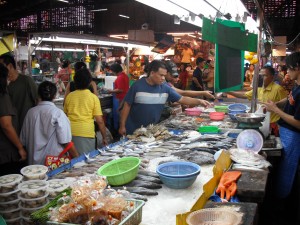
(9, 201)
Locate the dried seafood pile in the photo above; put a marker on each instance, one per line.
(150, 133)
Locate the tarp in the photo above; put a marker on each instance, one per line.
(229, 33)
(6, 44)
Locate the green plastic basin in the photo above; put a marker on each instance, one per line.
(120, 171)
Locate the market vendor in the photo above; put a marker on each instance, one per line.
(289, 129)
(269, 92)
(146, 98)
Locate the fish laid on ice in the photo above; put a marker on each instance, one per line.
(148, 178)
(196, 145)
(138, 190)
(145, 184)
(148, 173)
(201, 158)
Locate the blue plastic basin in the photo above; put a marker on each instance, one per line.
(178, 169)
(178, 175)
(178, 182)
(237, 107)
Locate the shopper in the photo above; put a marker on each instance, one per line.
(183, 76)
(197, 82)
(82, 107)
(71, 85)
(289, 129)
(146, 98)
(46, 129)
(21, 88)
(64, 74)
(11, 148)
(121, 84)
(270, 91)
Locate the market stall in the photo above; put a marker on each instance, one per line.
(156, 145)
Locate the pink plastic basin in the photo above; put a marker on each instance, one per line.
(216, 116)
(193, 111)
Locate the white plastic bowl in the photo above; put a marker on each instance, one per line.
(9, 183)
(34, 172)
(33, 188)
(56, 186)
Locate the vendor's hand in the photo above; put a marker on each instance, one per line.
(270, 106)
(122, 131)
(208, 95)
(204, 103)
(104, 142)
(23, 154)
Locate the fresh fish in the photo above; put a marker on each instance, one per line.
(115, 151)
(148, 178)
(145, 184)
(137, 196)
(196, 145)
(138, 190)
(130, 154)
(208, 150)
(148, 173)
(201, 158)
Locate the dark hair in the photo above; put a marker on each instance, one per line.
(155, 65)
(293, 60)
(7, 59)
(270, 69)
(3, 79)
(116, 68)
(284, 68)
(47, 91)
(65, 64)
(79, 65)
(82, 79)
(199, 60)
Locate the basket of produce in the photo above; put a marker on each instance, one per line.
(89, 202)
(120, 171)
(178, 175)
(214, 216)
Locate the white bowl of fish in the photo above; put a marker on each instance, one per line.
(34, 202)
(27, 212)
(250, 118)
(56, 186)
(8, 206)
(9, 196)
(33, 188)
(11, 214)
(34, 172)
(14, 221)
(9, 183)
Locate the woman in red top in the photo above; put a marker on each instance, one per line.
(121, 87)
(183, 76)
(121, 84)
(64, 74)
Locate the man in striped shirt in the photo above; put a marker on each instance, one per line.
(146, 98)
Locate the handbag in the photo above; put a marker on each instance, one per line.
(53, 162)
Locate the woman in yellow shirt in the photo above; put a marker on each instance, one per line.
(83, 107)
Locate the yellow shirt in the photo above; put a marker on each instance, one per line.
(273, 92)
(81, 106)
